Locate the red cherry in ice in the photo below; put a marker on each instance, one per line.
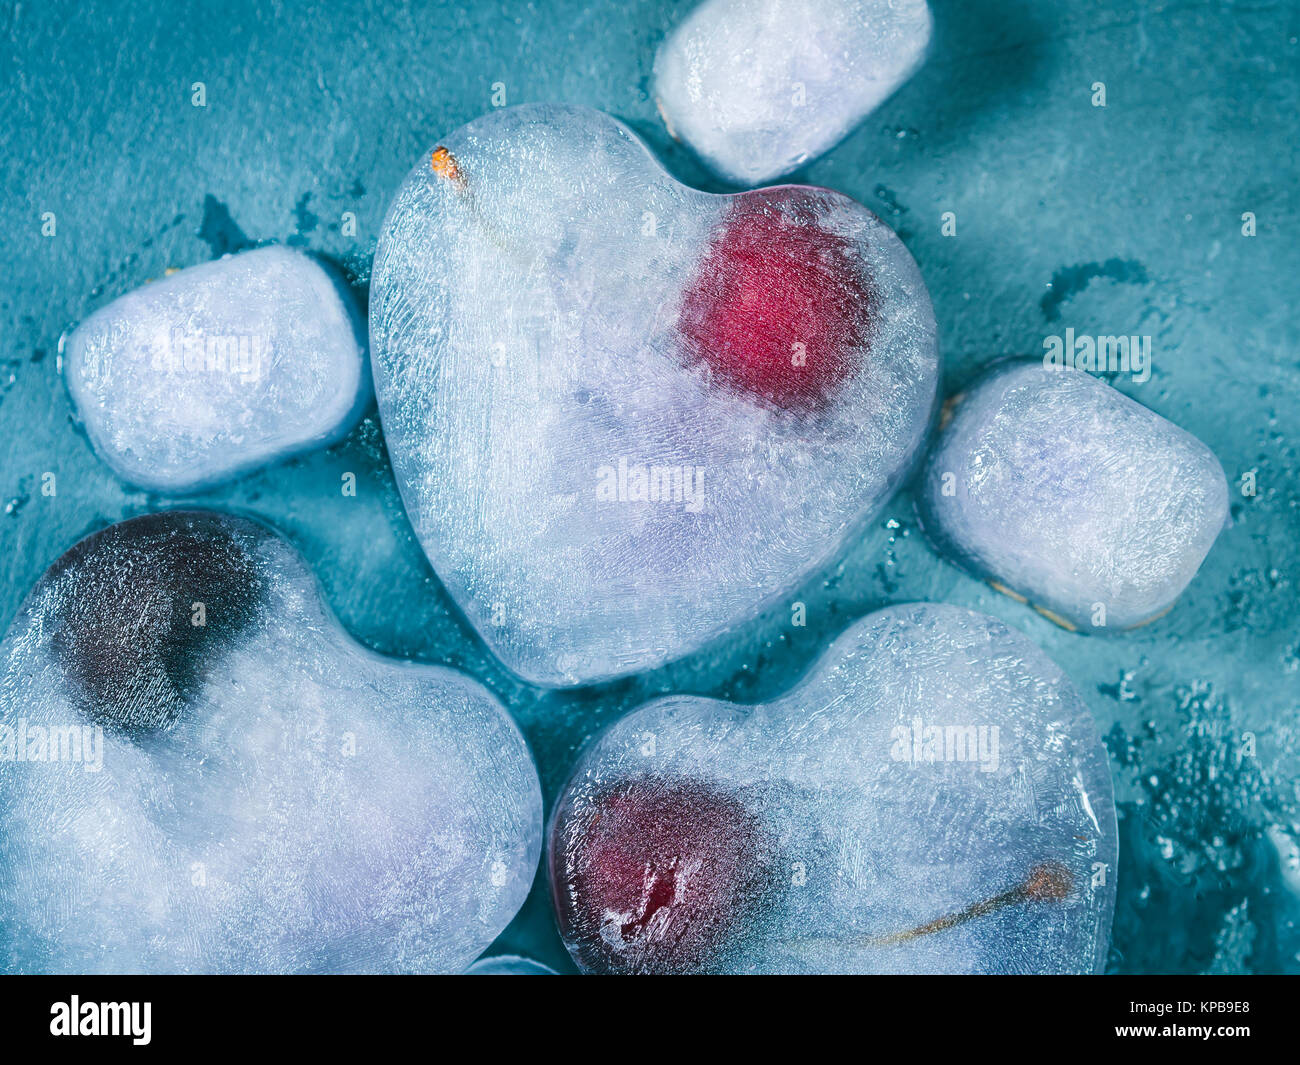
(652, 875)
(780, 307)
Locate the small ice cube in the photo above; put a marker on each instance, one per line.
(1071, 495)
(219, 369)
(759, 87)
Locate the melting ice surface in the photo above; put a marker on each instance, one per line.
(759, 87)
(623, 413)
(509, 965)
(199, 772)
(1070, 494)
(933, 798)
(219, 369)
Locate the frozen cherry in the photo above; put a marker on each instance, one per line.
(653, 875)
(780, 307)
(128, 636)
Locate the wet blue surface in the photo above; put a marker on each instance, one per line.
(1116, 220)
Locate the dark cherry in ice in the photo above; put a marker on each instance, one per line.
(140, 610)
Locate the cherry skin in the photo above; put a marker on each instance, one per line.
(780, 307)
(125, 636)
(654, 874)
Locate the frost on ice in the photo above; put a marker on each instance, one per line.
(219, 369)
(625, 414)
(934, 798)
(759, 87)
(200, 772)
(1066, 492)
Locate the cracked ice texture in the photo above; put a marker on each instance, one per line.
(219, 369)
(564, 305)
(795, 837)
(1070, 494)
(272, 797)
(759, 87)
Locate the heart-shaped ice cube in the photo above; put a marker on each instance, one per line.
(625, 414)
(200, 772)
(932, 798)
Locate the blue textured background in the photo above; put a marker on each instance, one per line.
(1117, 220)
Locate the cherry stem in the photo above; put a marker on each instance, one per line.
(448, 168)
(1046, 882)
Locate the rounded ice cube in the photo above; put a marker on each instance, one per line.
(759, 87)
(1068, 494)
(219, 369)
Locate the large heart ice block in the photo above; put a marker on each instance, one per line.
(760, 87)
(625, 414)
(1067, 493)
(219, 369)
(200, 772)
(933, 798)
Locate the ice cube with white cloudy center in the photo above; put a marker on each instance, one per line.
(759, 87)
(626, 415)
(933, 798)
(218, 369)
(201, 773)
(1065, 492)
